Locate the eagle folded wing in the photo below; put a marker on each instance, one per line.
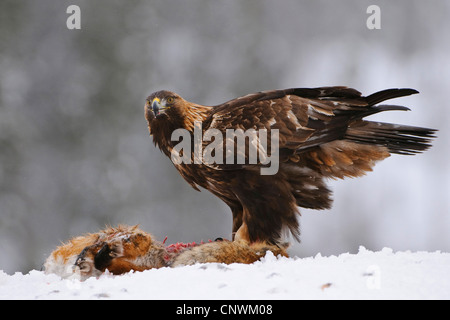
(319, 128)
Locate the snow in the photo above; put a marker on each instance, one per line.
(365, 275)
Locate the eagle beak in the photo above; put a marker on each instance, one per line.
(157, 106)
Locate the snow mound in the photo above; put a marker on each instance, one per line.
(366, 275)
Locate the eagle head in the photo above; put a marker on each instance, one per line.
(162, 105)
(167, 111)
(164, 112)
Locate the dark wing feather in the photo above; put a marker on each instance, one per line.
(310, 117)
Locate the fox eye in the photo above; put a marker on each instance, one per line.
(170, 99)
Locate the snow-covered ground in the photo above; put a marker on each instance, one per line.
(366, 275)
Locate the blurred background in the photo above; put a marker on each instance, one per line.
(75, 153)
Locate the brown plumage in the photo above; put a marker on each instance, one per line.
(322, 134)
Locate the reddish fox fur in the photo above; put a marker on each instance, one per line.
(124, 248)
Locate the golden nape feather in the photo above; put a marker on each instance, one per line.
(320, 133)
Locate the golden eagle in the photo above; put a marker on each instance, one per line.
(321, 133)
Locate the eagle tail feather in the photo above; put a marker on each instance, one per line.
(384, 95)
(399, 139)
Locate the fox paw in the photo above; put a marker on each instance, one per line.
(85, 262)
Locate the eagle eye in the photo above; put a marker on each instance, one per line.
(170, 100)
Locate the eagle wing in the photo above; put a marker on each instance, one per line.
(308, 120)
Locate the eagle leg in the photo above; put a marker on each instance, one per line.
(242, 234)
